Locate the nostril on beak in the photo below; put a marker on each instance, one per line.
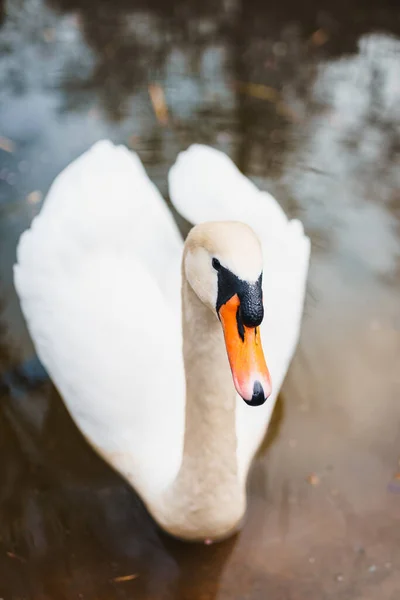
(258, 397)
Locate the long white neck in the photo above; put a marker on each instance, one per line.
(206, 499)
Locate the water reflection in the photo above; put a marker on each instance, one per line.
(344, 172)
(310, 111)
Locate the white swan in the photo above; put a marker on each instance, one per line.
(99, 279)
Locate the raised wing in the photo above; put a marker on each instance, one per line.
(98, 276)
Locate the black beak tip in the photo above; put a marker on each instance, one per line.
(258, 397)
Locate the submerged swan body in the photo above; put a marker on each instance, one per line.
(155, 345)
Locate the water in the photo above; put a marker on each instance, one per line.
(305, 98)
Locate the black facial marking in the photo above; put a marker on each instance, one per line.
(250, 296)
(216, 264)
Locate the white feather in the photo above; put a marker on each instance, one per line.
(98, 276)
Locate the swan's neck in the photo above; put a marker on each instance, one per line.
(206, 497)
(210, 435)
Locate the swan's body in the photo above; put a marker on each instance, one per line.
(99, 278)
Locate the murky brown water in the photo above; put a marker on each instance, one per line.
(314, 118)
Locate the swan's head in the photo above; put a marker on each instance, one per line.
(223, 265)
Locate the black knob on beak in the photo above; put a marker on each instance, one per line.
(250, 296)
(251, 303)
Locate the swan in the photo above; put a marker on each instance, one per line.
(156, 345)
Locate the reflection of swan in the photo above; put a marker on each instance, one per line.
(99, 280)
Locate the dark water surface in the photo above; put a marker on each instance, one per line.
(305, 97)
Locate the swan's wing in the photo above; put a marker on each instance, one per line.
(205, 185)
(98, 276)
(104, 199)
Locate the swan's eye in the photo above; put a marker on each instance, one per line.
(216, 264)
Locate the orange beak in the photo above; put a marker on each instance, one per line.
(246, 357)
